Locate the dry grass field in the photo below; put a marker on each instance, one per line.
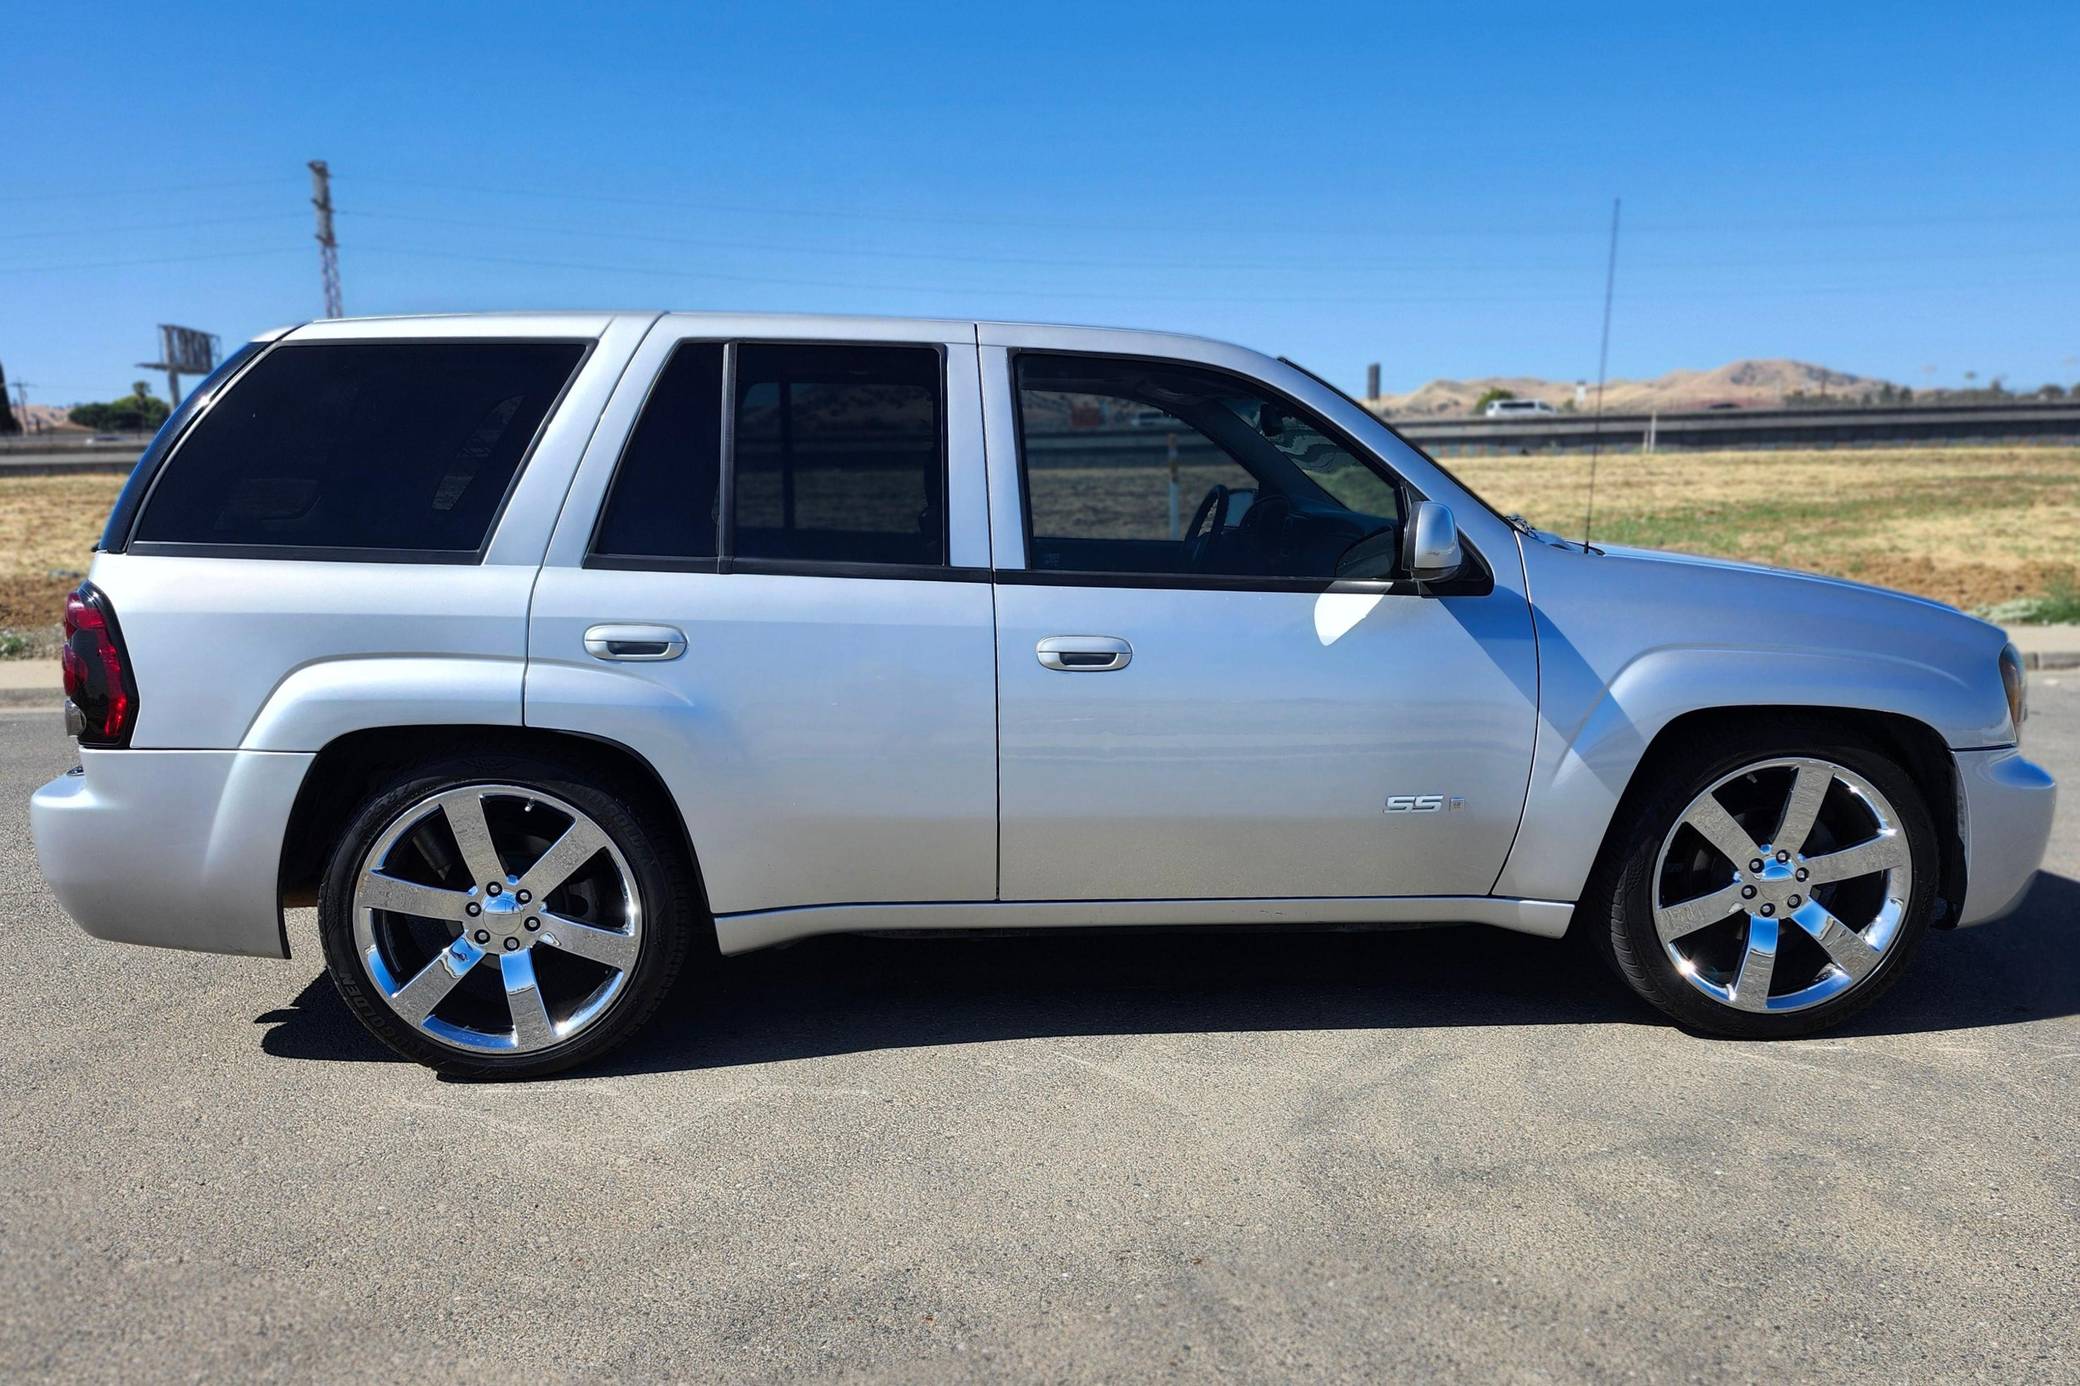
(1980, 527)
(1976, 526)
(48, 525)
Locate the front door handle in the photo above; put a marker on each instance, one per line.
(1084, 654)
(635, 642)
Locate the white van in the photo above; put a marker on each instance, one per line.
(1517, 408)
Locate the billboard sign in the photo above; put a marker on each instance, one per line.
(186, 351)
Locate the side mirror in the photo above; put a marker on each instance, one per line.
(1430, 549)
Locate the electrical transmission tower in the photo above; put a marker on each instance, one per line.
(328, 245)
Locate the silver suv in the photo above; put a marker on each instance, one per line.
(546, 652)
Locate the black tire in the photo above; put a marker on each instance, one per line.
(1617, 907)
(656, 857)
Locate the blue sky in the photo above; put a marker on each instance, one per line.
(1892, 189)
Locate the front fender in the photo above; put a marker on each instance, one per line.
(1620, 658)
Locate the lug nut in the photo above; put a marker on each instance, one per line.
(492, 887)
(1803, 873)
(511, 944)
(533, 923)
(1755, 865)
(1795, 901)
(522, 896)
(482, 936)
(473, 909)
(1747, 892)
(1768, 910)
(1783, 856)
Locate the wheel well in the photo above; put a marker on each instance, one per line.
(1916, 747)
(350, 768)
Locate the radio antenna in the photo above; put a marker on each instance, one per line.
(1603, 357)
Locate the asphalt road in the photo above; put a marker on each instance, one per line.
(1459, 1153)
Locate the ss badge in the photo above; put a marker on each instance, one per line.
(1423, 803)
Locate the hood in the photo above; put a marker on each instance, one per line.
(1729, 565)
(1629, 621)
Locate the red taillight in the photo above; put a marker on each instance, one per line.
(97, 673)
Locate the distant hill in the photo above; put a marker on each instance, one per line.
(1750, 384)
(47, 418)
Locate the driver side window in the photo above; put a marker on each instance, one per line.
(1139, 466)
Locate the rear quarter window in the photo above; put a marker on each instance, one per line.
(395, 446)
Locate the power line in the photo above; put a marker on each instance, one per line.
(105, 194)
(1485, 264)
(141, 226)
(1922, 287)
(672, 272)
(152, 260)
(1429, 227)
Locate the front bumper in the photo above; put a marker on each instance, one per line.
(178, 849)
(2004, 807)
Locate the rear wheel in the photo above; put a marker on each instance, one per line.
(505, 916)
(1770, 890)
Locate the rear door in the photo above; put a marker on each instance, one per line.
(1193, 705)
(770, 580)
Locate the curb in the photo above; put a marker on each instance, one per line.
(2051, 659)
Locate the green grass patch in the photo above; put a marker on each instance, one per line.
(2058, 607)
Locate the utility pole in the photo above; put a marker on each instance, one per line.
(21, 394)
(1372, 381)
(7, 420)
(328, 245)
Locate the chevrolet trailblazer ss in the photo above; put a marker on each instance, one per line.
(547, 652)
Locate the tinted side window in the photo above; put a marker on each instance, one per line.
(1136, 466)
(662, 504)
(402, 446)
(116, 532)
(839, 454)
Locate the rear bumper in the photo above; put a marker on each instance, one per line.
(2005, 803)
(178, 849)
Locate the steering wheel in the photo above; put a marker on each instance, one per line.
(1214, 509)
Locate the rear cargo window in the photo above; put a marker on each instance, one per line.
(406, 446)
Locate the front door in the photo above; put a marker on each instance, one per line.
(1191, 705)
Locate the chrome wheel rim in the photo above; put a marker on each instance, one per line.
(1794, 841)
(496, 919)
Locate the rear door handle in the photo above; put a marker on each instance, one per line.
(1084, 654)
(635, 642)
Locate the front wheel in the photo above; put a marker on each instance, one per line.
(503, 916)
(1769, 890)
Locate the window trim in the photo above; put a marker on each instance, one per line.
(1213, 582)
(725, 559)
(1477, 579)
(337, 553)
